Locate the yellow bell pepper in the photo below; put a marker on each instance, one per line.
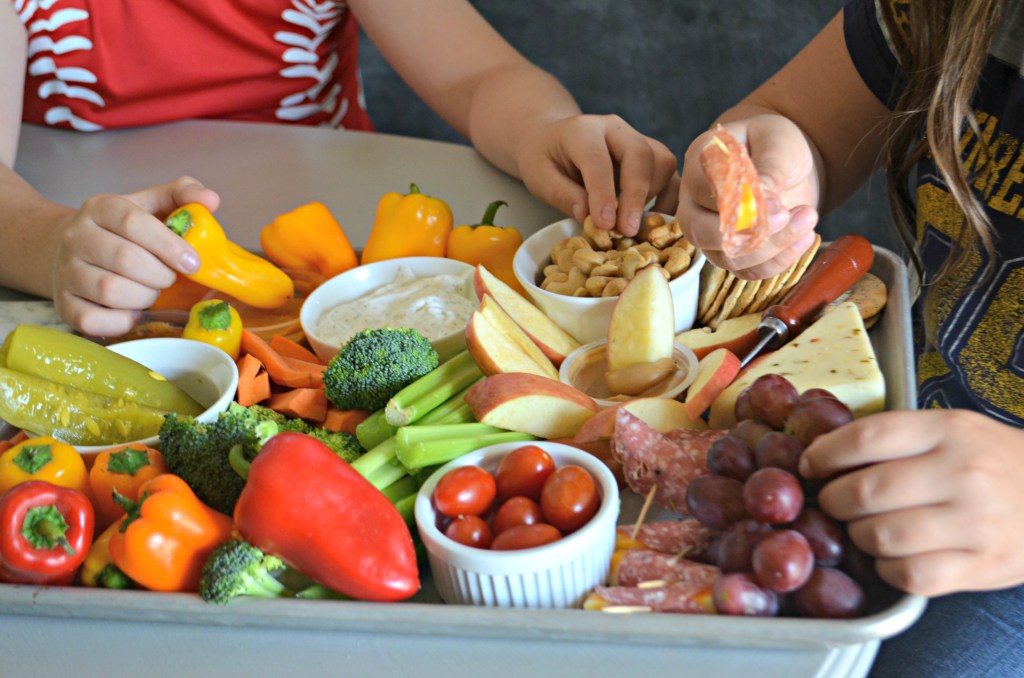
(308, 239)
(44, 458)
(225, 266)
(489, 245)
(98, 568)
(167, 536)
(217, 323)
(410, 225)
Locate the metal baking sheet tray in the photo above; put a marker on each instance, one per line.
(85, 632)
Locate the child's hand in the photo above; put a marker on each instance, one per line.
(786, 164)
(115, 256)
(598, 165)
(936, 496)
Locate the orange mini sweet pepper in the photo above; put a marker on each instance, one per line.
(167, 535)
(123, 468)
(308, 238)
(410, 225)
(225, 266)
(489, 245)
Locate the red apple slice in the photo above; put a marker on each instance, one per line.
(495, 352)
(714, 374)
(555, 342)
(501, 320)
(661, 414)
(642, 326)
(738, 334)
(529, 403)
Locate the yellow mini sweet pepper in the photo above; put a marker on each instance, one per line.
(225, 266)
(410, 225)
(217, 323)
(98, 568)
(308, 238)
(487, 244)
(44, 458)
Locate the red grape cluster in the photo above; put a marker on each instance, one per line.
(778, 553)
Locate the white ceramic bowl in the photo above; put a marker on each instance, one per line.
(586, 318)
(686, 360)
(205, 372)
(360, 280)
(556, 575)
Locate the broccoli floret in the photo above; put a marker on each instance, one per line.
(343, 444)
(198, 452)
(237, 568)
(375, 365)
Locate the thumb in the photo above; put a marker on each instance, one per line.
(163, 199)
(780, 152)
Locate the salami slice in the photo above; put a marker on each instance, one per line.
(671, 461)
(686, 537)
(738, 193)
(682, 597)
(644, 565)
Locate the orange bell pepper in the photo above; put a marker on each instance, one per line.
(225, 266)
(489, 245)
(44, 458)
(124, 469)
(308, 239)
(167, 536)
(410, 225)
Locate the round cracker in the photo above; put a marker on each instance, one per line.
(720, 296)
(869, 294)
(711, 279)
(746, 298)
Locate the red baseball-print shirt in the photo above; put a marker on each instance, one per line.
(99, 64)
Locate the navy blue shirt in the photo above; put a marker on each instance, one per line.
(977, 360)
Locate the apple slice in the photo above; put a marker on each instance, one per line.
(738, 334)
(529, 403)
(715, 372)
(495, 352)
(555, 342)
(642, 326)
(661, 414)
(501, 320)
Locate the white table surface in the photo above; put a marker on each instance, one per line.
(260, 171)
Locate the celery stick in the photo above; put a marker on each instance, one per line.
(441, 451)
(374, 430)
(432, 389)
(452, 411)
(407, 509)
(400, 489)
(407, 436)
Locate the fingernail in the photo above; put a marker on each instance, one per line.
(577, 212)
(608, 215)
(633, 222)
(190, 262)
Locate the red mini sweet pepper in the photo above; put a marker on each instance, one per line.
(45, 533)
(307, 506)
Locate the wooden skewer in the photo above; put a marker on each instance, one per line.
(643, 510)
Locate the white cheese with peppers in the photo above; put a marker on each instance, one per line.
(436, 305)
(834, 353)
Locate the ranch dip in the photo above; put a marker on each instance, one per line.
(435, 305)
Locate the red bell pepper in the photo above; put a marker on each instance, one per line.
(45, 533)
(305, 505)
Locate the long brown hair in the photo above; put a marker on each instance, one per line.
(942, 46)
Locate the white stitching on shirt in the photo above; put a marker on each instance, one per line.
(317, 19)
(42, 46)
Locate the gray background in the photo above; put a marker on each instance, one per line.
(666, 66)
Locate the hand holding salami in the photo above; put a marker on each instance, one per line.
(738, 193)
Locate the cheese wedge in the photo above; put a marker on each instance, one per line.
(834, 353)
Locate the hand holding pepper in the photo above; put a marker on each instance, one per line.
(225, 266)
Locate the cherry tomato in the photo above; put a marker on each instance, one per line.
(470, 531)
(525, 537)
(516, 511)
(522, 472)
(466, 490)
(569, 498)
